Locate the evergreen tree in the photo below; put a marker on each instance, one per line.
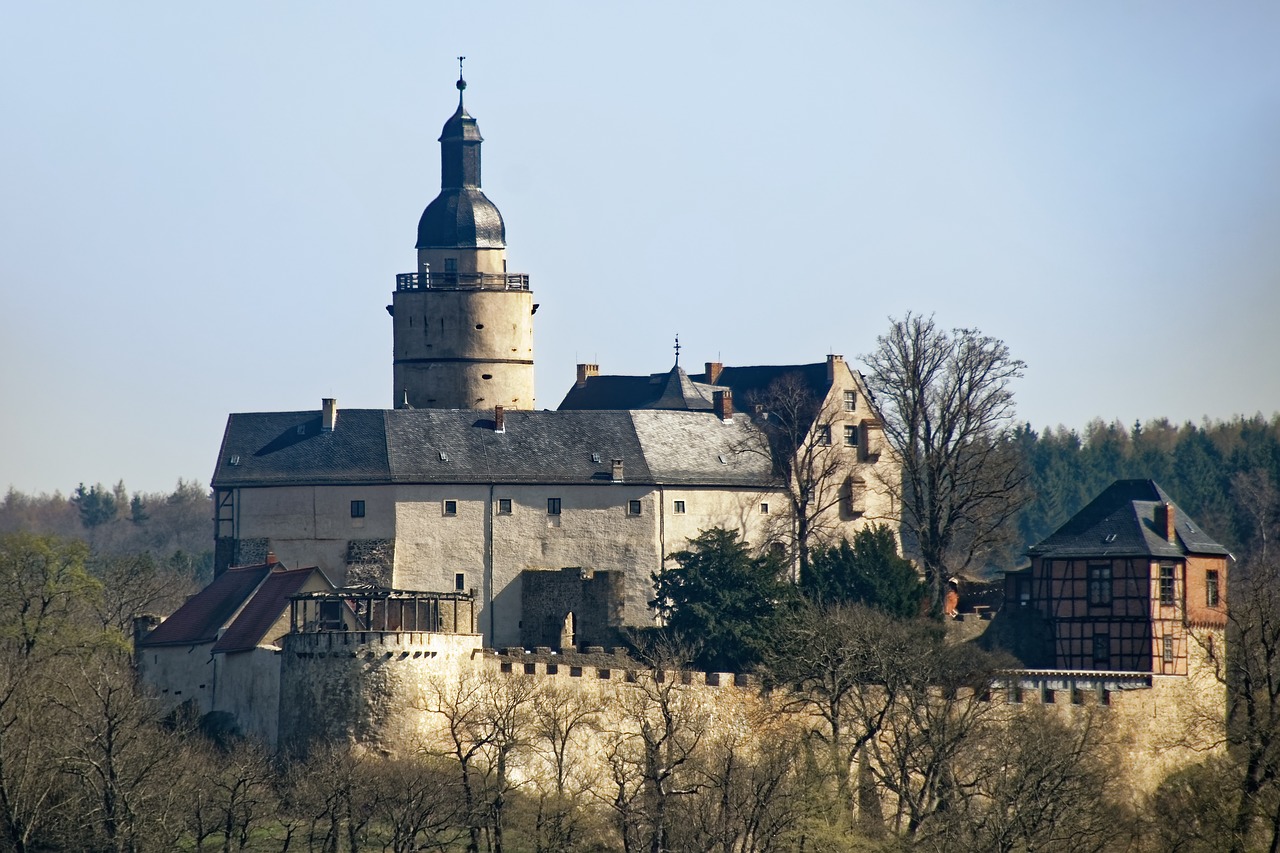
(721, 602)
(866, 571)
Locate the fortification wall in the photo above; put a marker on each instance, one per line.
(362, 687)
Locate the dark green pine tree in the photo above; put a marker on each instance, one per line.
(721, 603)
(868, 571)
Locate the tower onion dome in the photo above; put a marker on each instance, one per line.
(461, 216)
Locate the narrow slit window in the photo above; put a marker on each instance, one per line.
(1211, 588)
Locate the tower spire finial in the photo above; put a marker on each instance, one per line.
(462, 84)
(677, 349)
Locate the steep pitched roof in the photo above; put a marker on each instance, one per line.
(461, 446)
(266, 606)
(200, 618)
(1123, 522)
(653, 392)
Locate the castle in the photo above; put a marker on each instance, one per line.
(463, 520)
(464, 487)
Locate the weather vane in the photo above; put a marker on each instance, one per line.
(462, 84)
(677, 349)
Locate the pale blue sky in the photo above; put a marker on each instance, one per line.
(203, 206)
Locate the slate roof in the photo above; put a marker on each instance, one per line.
(461, 217)
(265, 607)
(200, 618)
(1122, 522)
(654, 391)
(370, 446)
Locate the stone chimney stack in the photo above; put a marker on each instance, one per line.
(714, 369)
(585, 372)
(617, 470)
(499, 419)
(722, 401)
(328, 414)
(1168, 515)
(832, 362)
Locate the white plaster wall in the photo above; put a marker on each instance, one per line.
(179, 673)
(311, 525)
(248, 688)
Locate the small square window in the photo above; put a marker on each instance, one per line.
(1168, 648)
(460, 581)
(679, 510)
(850, 400)
(450, 507)
(633, 507)
(357, 509)
(1211, 588)
(851, 435)
(764, 509)
(824, 434)
(504, 506)
(553, 506)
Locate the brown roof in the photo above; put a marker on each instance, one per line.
(268, 603)
(203, 615)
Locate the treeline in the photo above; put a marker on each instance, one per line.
(1210, 470)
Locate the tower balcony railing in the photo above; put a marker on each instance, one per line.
(462, 281)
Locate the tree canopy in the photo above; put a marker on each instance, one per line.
(721, 602)
(867, 571)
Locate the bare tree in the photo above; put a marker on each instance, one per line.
(948, 413)
(662, 729)
(812, 465)
(562, 718)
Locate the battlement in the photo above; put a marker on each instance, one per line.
(596, 664)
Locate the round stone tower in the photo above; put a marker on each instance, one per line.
(463, 325)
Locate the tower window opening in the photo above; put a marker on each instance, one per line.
(679, 508)
(1211, 588)
(450, 507)
(486, 376)
(460, 581)
(504, 506)
(479, 325)
(357, 509)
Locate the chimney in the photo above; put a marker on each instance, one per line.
(585, 372)
(832, 361)
(271, 559)
(723, 403)
(499, 419)
(1168, 515)
(617, 470)
(328, 414)
(714, 369)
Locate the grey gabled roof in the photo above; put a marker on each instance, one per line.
(461, 446)
(1122, 522)
(677, 390)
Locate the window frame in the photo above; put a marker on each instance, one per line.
(1101, 643)
(357, 509)
(824, 435)
(459, 581)
(764, 509)
(1166, 648)
(504, 506)
(634, 507)
(1168, 590)
(554, 506)
(678, 508)
(449, 507)
(1101, 585)
(850, 401)
(850, 435)
(1212, 588)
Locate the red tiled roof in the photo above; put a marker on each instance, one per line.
(203, 615)
(257, 617)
